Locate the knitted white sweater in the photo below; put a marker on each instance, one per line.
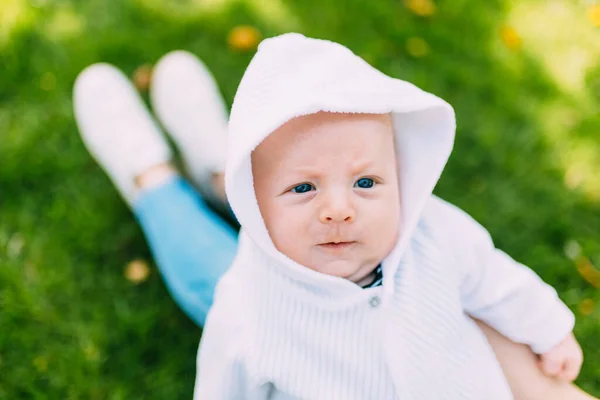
(278, 330)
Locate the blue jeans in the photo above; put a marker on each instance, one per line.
(192, 245)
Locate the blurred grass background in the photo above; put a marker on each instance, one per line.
(524, 78)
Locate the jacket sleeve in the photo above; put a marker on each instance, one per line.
(221, 365)
(502, 292)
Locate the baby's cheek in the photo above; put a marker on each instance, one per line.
(385, 224)
(289, 231)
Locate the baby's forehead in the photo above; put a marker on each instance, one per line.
(309, 127)
(326, 134)
(324, 118)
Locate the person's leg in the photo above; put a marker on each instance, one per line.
(191, 244)
(186, 100)
(193, 247)
(523, 374)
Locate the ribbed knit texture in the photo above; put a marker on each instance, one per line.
(270, 336)
(278, 330)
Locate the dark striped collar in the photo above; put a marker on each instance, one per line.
(378, 281)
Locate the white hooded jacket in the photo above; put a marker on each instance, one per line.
(279, 330)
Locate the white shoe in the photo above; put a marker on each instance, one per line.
(116, 127)
(187, 101)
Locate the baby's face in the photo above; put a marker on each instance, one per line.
(327, 189)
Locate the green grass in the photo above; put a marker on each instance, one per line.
(525, 164)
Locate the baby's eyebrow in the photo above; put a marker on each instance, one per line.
(310, 172)
(307, 170)
(361, 165)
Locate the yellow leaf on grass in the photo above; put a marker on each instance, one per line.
(587, 270)
(423, 8)
(594, 14)
(586, 307)
(243, 37)
(137, 271)
(510, 37)
(142, 77)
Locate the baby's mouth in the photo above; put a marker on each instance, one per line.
(336, 246)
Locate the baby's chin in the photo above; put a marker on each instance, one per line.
(344, 268)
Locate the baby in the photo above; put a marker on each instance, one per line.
(352, 281)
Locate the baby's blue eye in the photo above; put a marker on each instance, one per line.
(364, 183)
(302, 188)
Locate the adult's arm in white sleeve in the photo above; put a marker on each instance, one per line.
(502, 292)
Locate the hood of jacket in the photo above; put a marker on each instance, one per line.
(292, 75)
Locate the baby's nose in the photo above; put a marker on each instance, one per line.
(337, 209)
